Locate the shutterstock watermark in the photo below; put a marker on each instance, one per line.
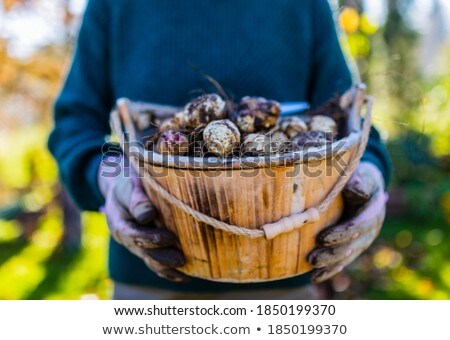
(310, 161)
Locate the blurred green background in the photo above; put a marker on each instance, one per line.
(402, 51)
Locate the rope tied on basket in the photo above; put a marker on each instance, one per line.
(284, 225)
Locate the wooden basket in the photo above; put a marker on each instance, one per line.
(253, 219)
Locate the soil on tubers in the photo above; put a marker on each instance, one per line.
(255, 114)
(221, 137)
(205, 127)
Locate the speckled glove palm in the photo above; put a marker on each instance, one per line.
(341, 244)
(129, 215)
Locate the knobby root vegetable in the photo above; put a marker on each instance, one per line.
(221, 137)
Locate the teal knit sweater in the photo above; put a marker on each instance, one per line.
(285, 50)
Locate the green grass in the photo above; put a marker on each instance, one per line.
(41, 269)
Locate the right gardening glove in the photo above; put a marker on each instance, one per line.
(129, 215)
(339, 245)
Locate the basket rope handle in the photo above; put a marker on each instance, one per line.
(270, 230)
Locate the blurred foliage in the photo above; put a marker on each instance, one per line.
(411, 258)
(40, 269)
(35, 261)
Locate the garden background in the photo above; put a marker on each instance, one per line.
(402, 50)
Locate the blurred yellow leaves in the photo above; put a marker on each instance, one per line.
(357, 28)
(367, 26)
(387, 258)
(349, 20)
(9, 230)
(26, 268)
(445, 274)
(359, 44)
(425, 288)
(25, 160)
(417, 286)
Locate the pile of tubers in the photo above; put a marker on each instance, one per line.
(209, 126)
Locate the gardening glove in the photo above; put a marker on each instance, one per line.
(339, 245)
(129, 215)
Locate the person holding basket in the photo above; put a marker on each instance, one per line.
(139, 49)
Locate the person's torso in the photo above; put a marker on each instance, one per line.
(251, 47)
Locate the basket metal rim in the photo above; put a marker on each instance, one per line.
(309, 155)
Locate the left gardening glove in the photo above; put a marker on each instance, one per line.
(130, 215)
(339, 245)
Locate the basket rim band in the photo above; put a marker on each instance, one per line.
(312, 154)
